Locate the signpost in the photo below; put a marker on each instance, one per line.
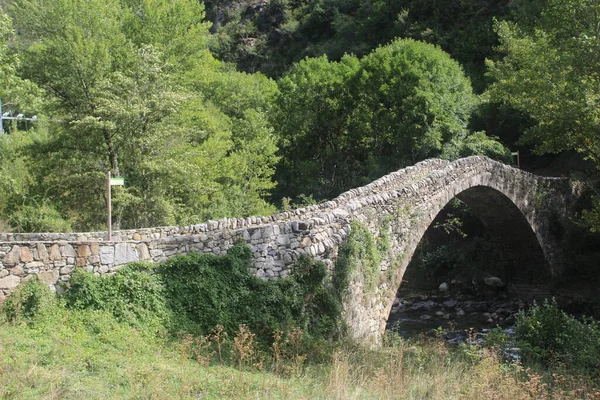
(111, 182)
(516, 154)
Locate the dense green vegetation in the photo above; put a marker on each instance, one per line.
(196, 293)
(134, 88)
(149, 90)
(153, 332)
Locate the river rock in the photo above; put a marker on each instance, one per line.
(493, 281)
(444, 287)
(423, 305)
(425, 317)
(460, 313)
(451, 303)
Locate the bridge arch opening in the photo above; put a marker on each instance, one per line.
(502, 230)
(497, 233)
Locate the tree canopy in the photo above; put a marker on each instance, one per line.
(345, 123)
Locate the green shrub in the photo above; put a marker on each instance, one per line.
(550, 335)
(206, 290)
(134, 294)
(30, 300)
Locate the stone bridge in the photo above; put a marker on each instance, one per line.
(521, 211)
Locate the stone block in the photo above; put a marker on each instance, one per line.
(17, 270)
(9, 282)
(26, 255)
(50, 277)
(283, 239)
(67, 270)
(143, 252)
(125, 253)
(107, 254)
(67, 251)
(34, 264)
(12, 257)
(95, 248)
(42, 252)
(55, 253)
(83, 251)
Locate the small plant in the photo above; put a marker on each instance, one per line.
(243, 346)
(135, 294)
(218, 337)
(548, 334)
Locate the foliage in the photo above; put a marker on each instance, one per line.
(205, 290)
(477, 143)
(549, 334)
(30, 301)
(131, 87)
(22, 204)
(197, 293)
(551, 72)
(18, 94)
(89, 354)
(358, 256)
(271, 37)
(133, 295)
(343, 124)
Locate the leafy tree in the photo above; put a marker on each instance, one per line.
(552, 72)
(131, 82)
(345, 123)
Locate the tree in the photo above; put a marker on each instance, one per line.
(128, 80)
(346, 123)
(551, 71)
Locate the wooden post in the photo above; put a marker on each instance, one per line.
(108, 206)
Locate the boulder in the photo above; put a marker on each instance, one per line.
(444, 287)
(493, 281)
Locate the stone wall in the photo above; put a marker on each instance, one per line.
(510, 202)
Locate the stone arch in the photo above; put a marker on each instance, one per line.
(508, 202)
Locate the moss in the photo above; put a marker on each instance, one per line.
(363, 253)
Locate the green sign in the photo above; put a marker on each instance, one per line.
(117, 181)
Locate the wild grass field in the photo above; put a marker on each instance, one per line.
(210, 331)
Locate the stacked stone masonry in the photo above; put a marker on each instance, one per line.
(412, 196)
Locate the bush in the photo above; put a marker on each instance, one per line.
(134, 294)
(206, 290)
(548, 334)
(29, 301)
(196, 293)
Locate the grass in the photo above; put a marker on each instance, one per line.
(88, 354)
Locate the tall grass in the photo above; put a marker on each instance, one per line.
(88, 354)
(110, 338)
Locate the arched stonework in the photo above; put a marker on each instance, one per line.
(518, 208)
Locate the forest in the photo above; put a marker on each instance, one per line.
(237, 108)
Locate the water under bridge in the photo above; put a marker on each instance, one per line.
(520, 211)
